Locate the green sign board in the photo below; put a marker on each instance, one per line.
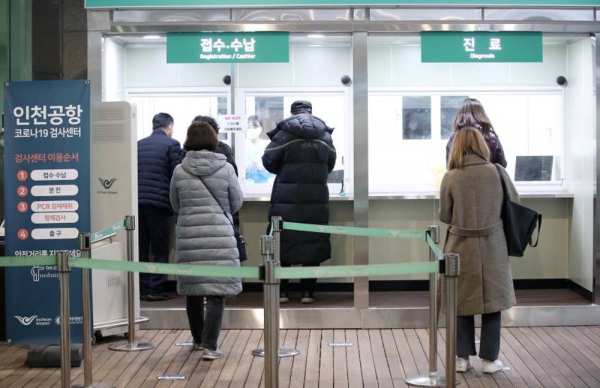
(326, 3)
(228, 47)
(481, 47)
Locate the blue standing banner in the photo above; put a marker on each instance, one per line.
(47, 197)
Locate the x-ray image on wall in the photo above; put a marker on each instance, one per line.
(449, 107)
(416, 118)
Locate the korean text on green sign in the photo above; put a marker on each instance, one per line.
(228, 47)
(481, 47)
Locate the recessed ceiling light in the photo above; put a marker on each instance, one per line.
(316, 36)
(151, 36)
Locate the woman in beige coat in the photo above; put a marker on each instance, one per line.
(470, 203)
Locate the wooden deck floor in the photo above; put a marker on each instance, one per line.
(537, 357)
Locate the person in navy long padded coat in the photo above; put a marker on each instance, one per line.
(158, 154)
(301, 154)
(472, 114)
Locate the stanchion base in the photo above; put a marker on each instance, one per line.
(131, 347)
(283, 352)
(428, 381)
(94, 385)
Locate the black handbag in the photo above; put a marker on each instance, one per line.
(241, 243)
(519, 223)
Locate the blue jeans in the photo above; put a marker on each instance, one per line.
(205, 328)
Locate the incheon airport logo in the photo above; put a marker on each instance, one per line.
(26, 321)
(106, 183)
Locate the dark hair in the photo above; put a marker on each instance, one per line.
(201, 136)
(254, 119)
(209, 120)
(161, 120)
(472, 114)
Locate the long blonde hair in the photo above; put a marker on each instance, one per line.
(468, 140)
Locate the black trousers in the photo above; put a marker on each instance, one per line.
(154, 233)
(489, 346)
(205, 328)
(306, 285)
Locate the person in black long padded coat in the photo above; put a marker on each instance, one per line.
(301, 154)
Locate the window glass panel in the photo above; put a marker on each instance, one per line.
(182, 108)
(529, 124)
(265, 111)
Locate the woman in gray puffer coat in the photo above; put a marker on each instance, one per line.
(204, 193)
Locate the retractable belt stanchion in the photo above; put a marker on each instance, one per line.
(451, 272)
(62, 259)
(432, 380)
(130, 345)
(85, 247)
(269, 246)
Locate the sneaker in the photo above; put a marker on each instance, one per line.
(198, 346)
(283, 297)
(307, 298)
(492, 366)
(157, 297)
(462, 364)
(210, 355)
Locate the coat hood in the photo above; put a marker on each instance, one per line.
(203, 163)
(302, 126)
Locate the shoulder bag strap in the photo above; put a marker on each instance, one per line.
(502, 182)
(215, 198)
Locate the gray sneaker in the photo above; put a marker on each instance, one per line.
(210, 355)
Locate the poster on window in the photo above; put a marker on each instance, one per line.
(416, 118)
(47, 196)
(449, 106)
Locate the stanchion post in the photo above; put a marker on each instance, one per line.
(62, 260)
(131, 345)
(432, 380)
(271, 302)
(85, 248)
(452, 271)
(269, 247)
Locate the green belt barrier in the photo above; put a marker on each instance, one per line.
(26, 261)
(353, 231)
(168, 269)
(434, 247)
(107, 231)
(356, 270)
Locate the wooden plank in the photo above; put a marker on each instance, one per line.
(583, 362)
(256, 369)
(179, 360)
(539, 372)
(164, 362)
(367, 364)
(299, 366)
(217, 366)
(198, 375)
(340, 363)
(120, 361)
(312, 359)
(542, 358)
(562, 359)
(326, 366)
(465, 378)
(406, 359)
(382, 369)
(353, 357)
(518, 374)
(393, 359)
(286, 363)
(234, 357)
(12, 359)
(243, 368)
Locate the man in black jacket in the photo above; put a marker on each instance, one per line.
(158, 154)
(301, 154)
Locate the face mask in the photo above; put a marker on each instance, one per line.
(253, 133)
